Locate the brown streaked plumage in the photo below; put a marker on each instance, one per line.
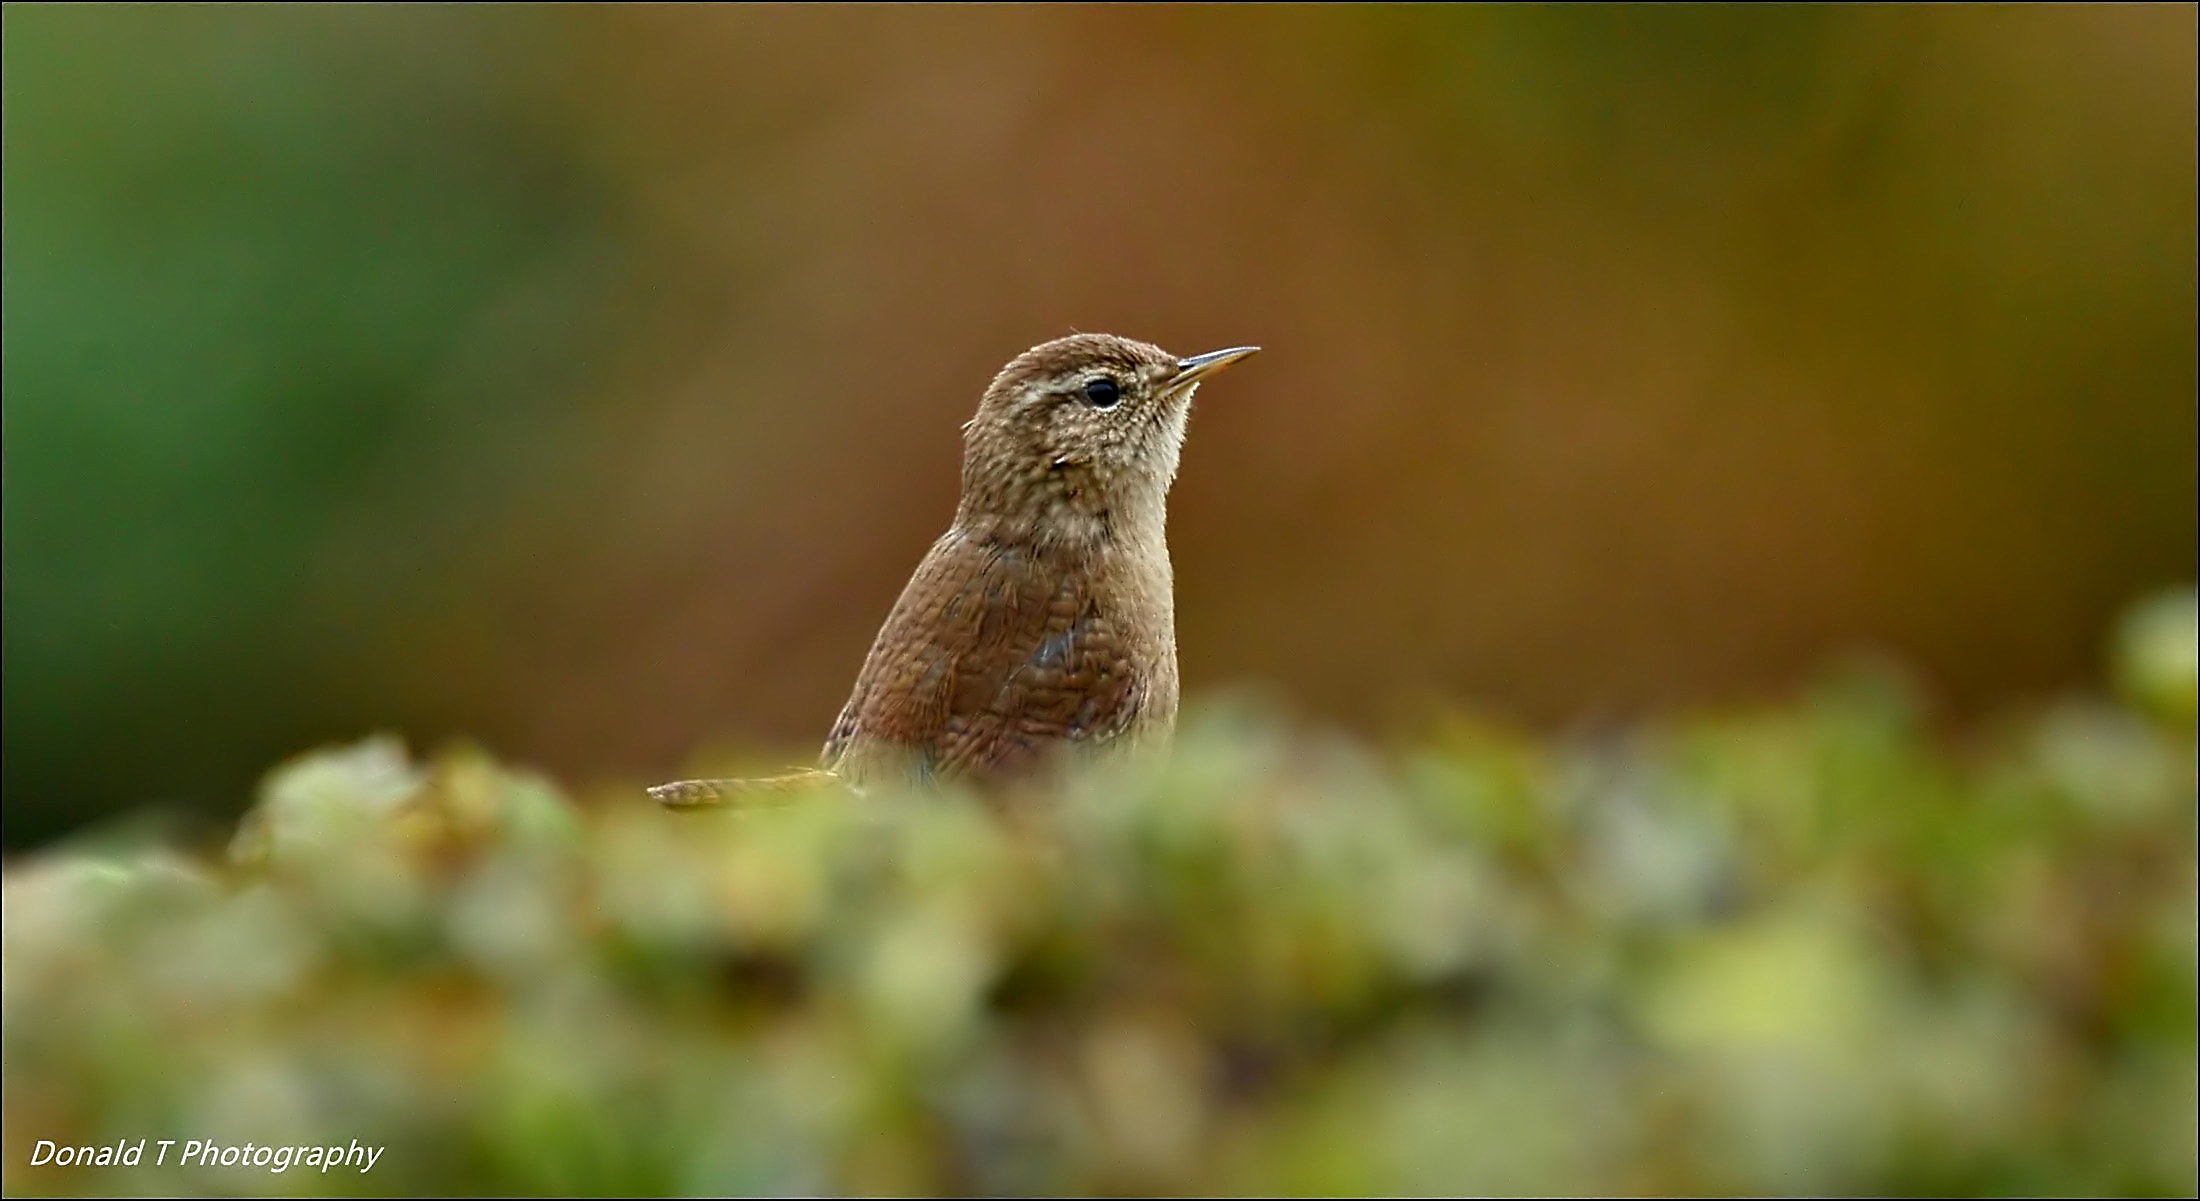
(1044, 619)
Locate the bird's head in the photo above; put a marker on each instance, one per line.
(1077, 439)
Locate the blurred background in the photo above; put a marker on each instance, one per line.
(587, 380)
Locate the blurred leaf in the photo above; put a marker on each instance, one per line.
(1804, 948)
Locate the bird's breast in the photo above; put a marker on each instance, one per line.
(997, 654)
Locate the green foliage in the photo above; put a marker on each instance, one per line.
(250, 262)
(1808, 948)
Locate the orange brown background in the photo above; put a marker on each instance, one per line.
(586, 381)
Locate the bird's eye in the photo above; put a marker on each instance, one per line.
(1101, 393)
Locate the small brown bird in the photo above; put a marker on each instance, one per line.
(1044, 620)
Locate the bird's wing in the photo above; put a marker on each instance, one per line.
(987, 661)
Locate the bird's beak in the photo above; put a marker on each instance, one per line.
(1192, 370)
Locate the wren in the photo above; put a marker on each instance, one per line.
(1043, 622)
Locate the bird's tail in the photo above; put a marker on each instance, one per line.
(712, 794)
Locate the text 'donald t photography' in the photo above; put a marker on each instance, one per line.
(205, 1153)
